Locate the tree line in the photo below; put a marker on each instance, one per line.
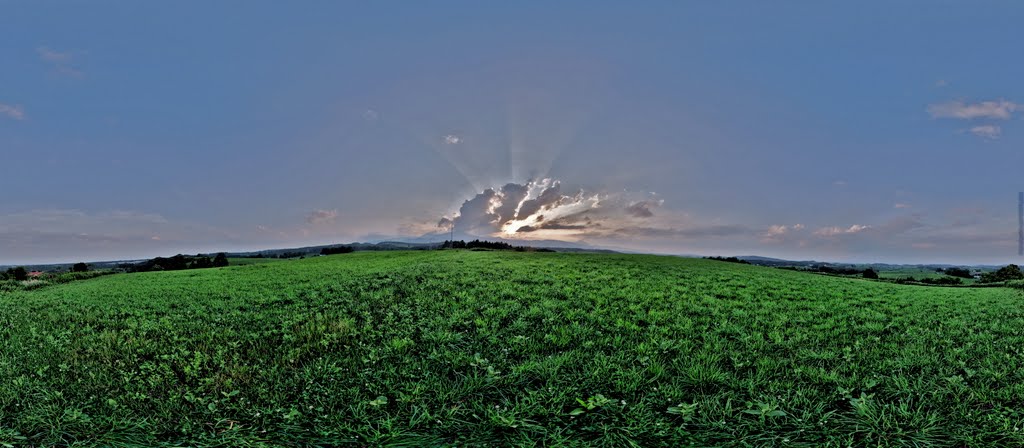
(19, 273)
(943, 281)
(728, 259)
(177, 263)
(1008, 272)
(493, 245)
(336, 250)
(957, 272)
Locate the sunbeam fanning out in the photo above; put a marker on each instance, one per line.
(374, 122)
(539, 209)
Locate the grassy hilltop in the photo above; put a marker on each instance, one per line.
(503, 348)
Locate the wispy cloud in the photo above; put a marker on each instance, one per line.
(643, 209)
(900, 205)
(61, 61)
(899, 225)
(12, 111)
(836, 231)
(321, 217)
(56, 57)
(712, 231)
(987, 131)
(999, 109)
(777, 233)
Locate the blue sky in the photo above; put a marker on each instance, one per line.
(869, 131)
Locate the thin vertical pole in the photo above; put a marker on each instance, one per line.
(1020, 223)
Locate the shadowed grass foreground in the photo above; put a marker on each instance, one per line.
(469, 348)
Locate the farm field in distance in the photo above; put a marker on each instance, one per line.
(472, 348)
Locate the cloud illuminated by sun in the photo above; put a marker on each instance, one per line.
(538, 209)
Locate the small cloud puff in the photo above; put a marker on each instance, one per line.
(15, 112)
(775, 233)
(60, 61)
(999, 109)
(836, 231)
(988, 131)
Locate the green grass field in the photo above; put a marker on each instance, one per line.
(910, 272)
(249, 261)
(918, 273)
(502, 348)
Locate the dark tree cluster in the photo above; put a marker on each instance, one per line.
(825, 269)
(947, 281)
(496, 245)
(958, 272)
(944, 281)
(1008, 272)
(870, 273)
(79, 267)
(534, 249)
(492, 245)
(728, 259)
(454, 245)
(19, 273)
(178, 263)
(220, 260)
(291, 255)
(336, 250)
